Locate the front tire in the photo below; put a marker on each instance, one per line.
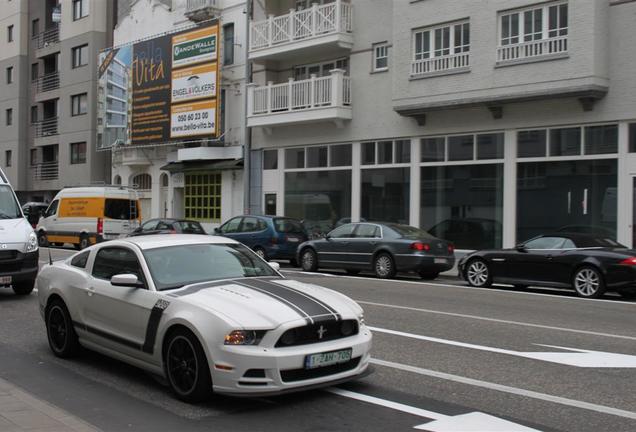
(309, 260)
(84, 242)
(588, 283)
(478, 274)
(384, 266)
(187, 368)
(24, 288)
(59, 330)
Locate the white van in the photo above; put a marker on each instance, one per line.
(86, 215)
(18, 243)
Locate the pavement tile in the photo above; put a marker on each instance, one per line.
(32, 419)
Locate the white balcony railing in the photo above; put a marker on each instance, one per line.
(200, 10)
(532, 49)
(45, 171)
(440, 64)
(293, 96)
(309, 23)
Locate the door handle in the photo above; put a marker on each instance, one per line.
(549, 257)
(90, 291)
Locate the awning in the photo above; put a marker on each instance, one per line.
(190, 166)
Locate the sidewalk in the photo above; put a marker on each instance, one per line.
(21, 412)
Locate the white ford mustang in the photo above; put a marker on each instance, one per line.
(204, 312)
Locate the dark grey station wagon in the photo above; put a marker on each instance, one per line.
(384, 248)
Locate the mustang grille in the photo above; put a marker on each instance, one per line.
(292, 375)
(319, 332)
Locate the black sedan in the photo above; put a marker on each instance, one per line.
(588, 264)
(385, 248)
(169, 226)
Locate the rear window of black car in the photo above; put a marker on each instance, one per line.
(598, 242)
(288, 226)
(190, 227)
(409, 232)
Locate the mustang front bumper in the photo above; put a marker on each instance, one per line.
(259, 370)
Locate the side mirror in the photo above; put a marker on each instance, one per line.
(217, 230)
(274, 265)
(126, 280)
(521, 248)
(327, 237)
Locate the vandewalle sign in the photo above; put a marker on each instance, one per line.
(161, 89)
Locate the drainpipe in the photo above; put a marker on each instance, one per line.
(247, 133)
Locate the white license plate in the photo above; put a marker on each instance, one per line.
(5, 280)
(440, 261)
(327, 359)
(292, 239)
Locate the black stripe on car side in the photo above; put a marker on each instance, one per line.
(109, 336)
(153, 325)
(320, 302)
(283, 300)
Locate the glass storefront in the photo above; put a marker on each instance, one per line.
(385, 195)
(321, 199)
(463, 204)
(573, 196)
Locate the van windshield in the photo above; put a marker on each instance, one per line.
(121, 209)
(9, 208)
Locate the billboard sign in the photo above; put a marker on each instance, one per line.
(161, 89)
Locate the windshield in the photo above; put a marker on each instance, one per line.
(175, 266)
(409, 232)
(9, 208)
(288, 226)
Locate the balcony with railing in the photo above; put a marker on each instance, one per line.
(47, 38)
(528, 51)
(316, 99)
(47, 82)
(201, 10)
(321, 27)
(444, 64)
(45, 128)
(45, 171)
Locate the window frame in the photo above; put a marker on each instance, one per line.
(8, 119)
(379, 55)
(525, 37)
(75, 154)
(10, 37)
(83, 11)
(228, 52)
(79, 56)
(142, 277)
(443, 51)
(78, 98)
(8, 154)
(9, 72)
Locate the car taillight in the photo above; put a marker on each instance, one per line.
(274, 240)
(451, 248)
(100, 226)
(419, 246)
(629, 261)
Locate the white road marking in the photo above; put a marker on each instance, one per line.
(466, 287)
(572, 357)
(508, 389)
(475, 421)
(520, 323)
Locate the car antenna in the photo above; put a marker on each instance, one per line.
(50, 259)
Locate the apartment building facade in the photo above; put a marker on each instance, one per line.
(199, 179)
(48, 93)
(486, 123)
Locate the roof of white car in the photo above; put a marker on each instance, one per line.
(163, 240)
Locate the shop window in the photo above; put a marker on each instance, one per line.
(270, 159)
(385, 194)
(202, 196)
(601, 139)
(295, 158)
(460, 148)
(385, 152)
(340, 155)
(433, 149)
(565, 142)
(632, 138)
(368, 153)
(317, 157)
(403, 151)
(490, 146)
(531, 143)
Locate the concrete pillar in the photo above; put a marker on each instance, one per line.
(510, 189)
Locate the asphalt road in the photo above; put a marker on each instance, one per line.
(445, 355)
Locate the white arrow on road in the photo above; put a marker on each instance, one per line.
(472, 422)
(572, 356)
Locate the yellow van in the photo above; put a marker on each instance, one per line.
(86, 215)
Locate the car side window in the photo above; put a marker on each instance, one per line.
(367, 231)
(231, 226)
(250, 224)
(162, 226)
(568, 244)
(52, 210)
(344, 231)
(149, 226)
(111, 261)
(546, 243)
(80, 260)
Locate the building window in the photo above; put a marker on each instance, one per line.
(9, 74)
(228, 44)
(601, 139)
(203, 196)
(79, 104)
(558, 142)
(7, 158)
(142, 182)
(9, 117)
(463, 147)
(78, 153)
(531, 143)
(33, 157)
(80, 56)
(340, 155)
(295, 158)
(35, 27)
(317, 157)
(270, 159)
(80, 9)
(632, 139)
(380, 57)
(35, 71)
(439, 49)
(10, 33)
(34, 114)
(320, 69)
(385, 194)
(386, 152)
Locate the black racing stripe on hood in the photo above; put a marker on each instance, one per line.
(309, 305)
(283, 300)
(322, 303)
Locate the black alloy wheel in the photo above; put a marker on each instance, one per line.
(588, 282)
(187, 368)
(478, 273)
(59, 330)
(309, 260)
(384, 266)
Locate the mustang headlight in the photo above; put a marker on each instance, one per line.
(32, 243)
(244, 337)
(361, 319)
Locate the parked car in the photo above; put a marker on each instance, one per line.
(271, 237)
(33, 211)
(87, 215)
(169, 226)
(204, 312)
(385, 248)
(18, 243)
(588, 264)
